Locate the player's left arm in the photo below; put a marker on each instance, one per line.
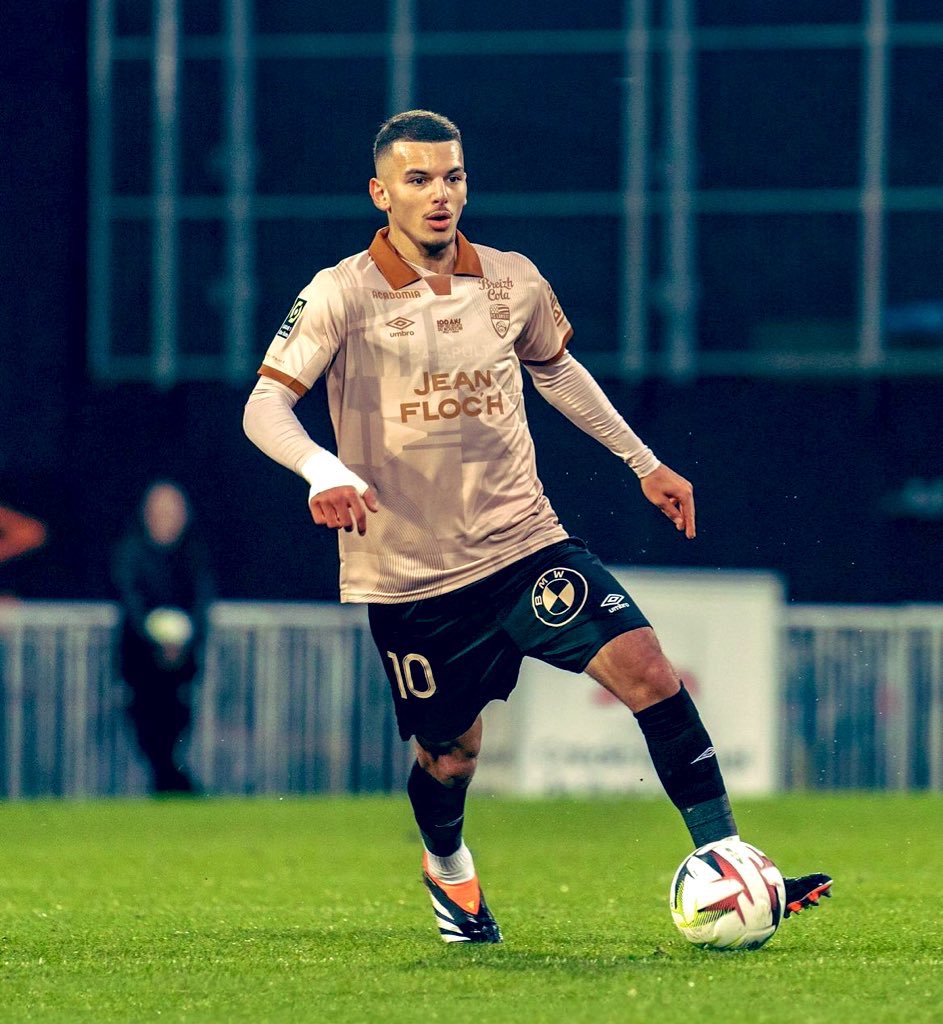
(570, 388)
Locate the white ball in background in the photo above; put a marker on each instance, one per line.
(169, 626)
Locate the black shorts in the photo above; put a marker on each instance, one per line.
(446, 657)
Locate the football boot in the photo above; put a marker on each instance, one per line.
(460, 910)
(806, 891)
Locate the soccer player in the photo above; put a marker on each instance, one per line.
(444, 529)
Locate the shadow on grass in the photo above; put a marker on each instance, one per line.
(507, 958)
(417, 950)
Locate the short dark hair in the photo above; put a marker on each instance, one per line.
(414, 126)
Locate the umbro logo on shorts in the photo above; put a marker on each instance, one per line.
(558, 596)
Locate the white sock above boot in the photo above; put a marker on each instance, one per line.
(457, 867)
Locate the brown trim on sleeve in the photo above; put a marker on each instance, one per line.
(553, 359)
(399, 273)
(290, 382)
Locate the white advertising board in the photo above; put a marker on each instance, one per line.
(562, 733)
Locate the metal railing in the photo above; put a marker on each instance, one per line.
(668, 33)
(863, 696)
(294, 699)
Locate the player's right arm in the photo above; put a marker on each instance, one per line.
(300, 352)
(337, 497)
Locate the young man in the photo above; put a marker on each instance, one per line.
(445, 532)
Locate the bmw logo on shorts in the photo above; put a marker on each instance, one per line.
(558, 596)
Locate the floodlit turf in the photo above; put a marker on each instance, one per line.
(312, 910)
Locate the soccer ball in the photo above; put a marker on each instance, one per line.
(727, 895)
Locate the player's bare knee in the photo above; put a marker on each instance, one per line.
(634, 668)
(650, 675)
(657, 680)
(458, 772)
(452, 770)
(452, 763)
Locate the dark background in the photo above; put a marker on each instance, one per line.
(798, 475)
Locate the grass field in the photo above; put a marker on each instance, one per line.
(312, 910)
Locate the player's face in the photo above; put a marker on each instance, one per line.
(422, 187)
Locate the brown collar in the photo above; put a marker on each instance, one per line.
(400, 274)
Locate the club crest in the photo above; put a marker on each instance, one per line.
(500, 318)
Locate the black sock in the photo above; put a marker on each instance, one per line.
(439, 811)
(686, 763)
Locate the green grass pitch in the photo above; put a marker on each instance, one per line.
(302, 910)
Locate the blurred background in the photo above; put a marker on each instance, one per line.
(738, 203)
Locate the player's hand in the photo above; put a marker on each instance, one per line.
(342, 508)
(673, 495)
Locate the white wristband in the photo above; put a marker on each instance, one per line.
(324, 470)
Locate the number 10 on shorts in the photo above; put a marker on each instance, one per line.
(406, 675)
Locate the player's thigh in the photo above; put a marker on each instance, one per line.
(444, 663)
(569, 607)
(633, 667)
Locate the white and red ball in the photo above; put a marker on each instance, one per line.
(727, 895)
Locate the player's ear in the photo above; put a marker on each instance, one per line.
(378, 194)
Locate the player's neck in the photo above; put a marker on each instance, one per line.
(438, 261)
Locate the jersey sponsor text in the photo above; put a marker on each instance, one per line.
(449, 408)
(500, 289)
(406, 293)
(440, 381)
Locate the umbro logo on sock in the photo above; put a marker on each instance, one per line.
(709, 753)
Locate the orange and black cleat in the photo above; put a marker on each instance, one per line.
(806, 891)
(460, 910)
